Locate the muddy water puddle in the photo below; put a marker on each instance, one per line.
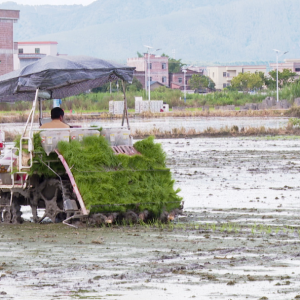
(238, 237)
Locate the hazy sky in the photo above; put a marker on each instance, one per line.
(50, 2)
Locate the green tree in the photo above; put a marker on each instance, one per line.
(247, 81)
(284, 78)
(135, 86)
(175, 65)
(139, 54)
(201, 81)
(198, 81)
(211, 85)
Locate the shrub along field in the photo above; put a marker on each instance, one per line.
(99, 101)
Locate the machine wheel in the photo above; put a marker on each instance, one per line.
(6, 216)
(16, 212)
(51, 194)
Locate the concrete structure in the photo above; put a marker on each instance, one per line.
(7, 46)
(177, 79)
(159, 69)
(29, 52)
(222, 75)
(291, 64)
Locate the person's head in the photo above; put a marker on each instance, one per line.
(57, 113)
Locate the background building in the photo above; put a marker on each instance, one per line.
(291, 64)
(177, 79)
(7, 46)
(159, 69)
(29, 52)
(222, 75)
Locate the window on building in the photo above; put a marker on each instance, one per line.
(164, 66)
(297, 69)
(180, 79)
(228, 74)
(224, 74)
(224, 85)
(150, 78)
(37, 50)
(228, 84)
(164, 79)
(150, 66)
(21, 50)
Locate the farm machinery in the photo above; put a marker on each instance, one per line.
(58, 170)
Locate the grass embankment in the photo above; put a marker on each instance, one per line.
(21, 117)
(233, 131)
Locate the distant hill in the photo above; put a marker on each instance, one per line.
(203, 30)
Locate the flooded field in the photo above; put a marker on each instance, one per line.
(238, 237)
(197, 123)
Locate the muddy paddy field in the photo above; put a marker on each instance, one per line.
(239, 236)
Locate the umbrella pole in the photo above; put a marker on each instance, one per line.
(40, 111)
(125, 112)
(31, 114)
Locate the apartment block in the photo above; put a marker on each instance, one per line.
(291, 64)
(222, 75)
(7, 46)
(158, 67)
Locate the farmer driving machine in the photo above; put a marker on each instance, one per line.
(94, 175)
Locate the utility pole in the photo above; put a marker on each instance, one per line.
(277, 56)
(184, 71)
(148, 67)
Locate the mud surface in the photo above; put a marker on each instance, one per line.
(238, 237)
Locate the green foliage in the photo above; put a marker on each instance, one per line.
(100, 101)
(175, 65)
(284, 78)
(290, 92)
(247, 81)
(294, 122)
(135, 86)
(198, 81)
(109, 182)
(139, 54)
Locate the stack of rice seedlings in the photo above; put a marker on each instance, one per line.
(115, 187)
(122, 185)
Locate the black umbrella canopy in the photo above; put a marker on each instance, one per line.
(61, 77)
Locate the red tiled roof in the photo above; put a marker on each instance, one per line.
(32, 43)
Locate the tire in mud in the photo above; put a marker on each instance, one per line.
(50, 193)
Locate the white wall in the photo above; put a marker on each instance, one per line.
(48, 49)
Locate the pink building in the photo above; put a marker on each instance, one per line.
(7, 46)
(291, 64)
(177, 79)
(158, 65)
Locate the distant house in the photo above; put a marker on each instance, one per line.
(155, 84)
(177, 79)
(291, 64)
(7, 45)
(29, 52)
(158, 67)
(222, 75)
